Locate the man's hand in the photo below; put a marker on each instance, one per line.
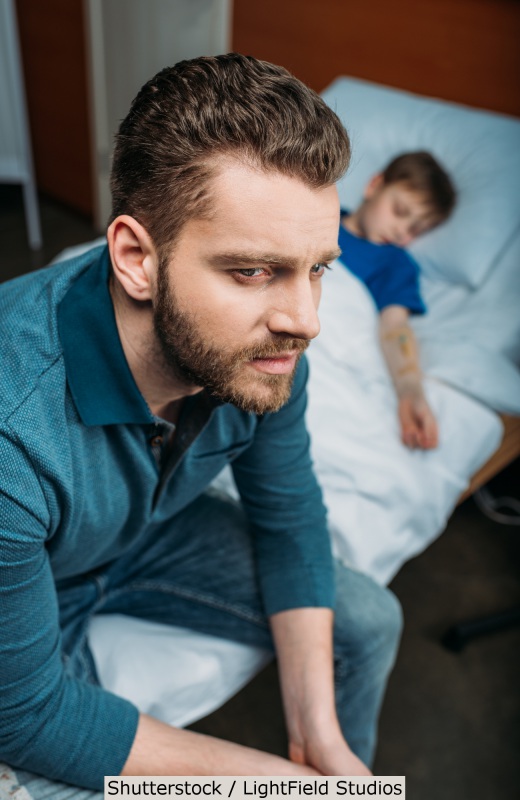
(333, 757)
(418, 423)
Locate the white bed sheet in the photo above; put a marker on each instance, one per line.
(171, 673)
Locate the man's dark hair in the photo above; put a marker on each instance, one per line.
(190, 115)
(421, 172)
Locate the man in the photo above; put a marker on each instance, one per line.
(132, 376)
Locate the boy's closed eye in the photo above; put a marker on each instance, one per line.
(400, 210)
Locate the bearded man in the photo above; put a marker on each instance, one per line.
(131, 376)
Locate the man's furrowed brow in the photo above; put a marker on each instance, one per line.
(332, 256)
(253, 259)
(232, 259)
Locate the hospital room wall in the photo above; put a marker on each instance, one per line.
(54, 66)
(83, 62)
(465, 51)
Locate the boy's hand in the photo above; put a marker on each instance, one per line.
(418, 424)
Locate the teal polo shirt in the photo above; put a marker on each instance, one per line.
(81, 481)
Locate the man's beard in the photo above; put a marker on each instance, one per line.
(195, 361)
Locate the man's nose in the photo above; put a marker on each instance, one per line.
(295, 311)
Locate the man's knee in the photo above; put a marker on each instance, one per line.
(368, 616)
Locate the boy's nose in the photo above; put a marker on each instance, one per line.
(403, 235)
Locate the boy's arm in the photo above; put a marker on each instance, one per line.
(418, 424)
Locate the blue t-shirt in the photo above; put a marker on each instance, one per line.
(390, 273)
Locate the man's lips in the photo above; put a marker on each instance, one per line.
(279, 364)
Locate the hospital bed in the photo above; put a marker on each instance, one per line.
(386, 503)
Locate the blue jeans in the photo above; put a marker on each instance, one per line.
(198, 571)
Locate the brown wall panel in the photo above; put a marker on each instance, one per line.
(461, 50)
(54, 63)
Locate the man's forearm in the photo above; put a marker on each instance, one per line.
(304, 645)
(303, 639)
(159, 749)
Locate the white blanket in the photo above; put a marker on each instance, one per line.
(386, 503)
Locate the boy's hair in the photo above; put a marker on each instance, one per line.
(421, 172)
(190, 115)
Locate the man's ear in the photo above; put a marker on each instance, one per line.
(133, 256)
(374, 185)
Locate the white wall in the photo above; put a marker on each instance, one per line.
(131, 40)
(16, 165)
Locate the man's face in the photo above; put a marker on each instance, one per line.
(395, 214)
(236, 303)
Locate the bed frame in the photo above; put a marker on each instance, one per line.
(465, 51)
(508, 451)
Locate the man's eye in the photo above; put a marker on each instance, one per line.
(319, 269)
(400, 211)
(253, 272)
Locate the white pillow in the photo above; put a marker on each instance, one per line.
(479, 149)
(488, 377)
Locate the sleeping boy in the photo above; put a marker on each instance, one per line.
(412, 195)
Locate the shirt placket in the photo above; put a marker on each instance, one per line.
(195, 415)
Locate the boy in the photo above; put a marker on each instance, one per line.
(410, 197)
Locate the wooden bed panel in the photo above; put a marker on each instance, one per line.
(461, 50)
(508, 451)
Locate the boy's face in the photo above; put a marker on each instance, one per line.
(395, 213)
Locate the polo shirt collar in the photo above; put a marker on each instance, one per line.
(99, 378)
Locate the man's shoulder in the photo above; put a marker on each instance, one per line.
(31, 348)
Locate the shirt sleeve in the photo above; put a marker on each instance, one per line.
(398, 283)
(284, 503)
(50, 722)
